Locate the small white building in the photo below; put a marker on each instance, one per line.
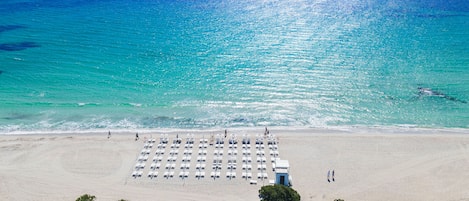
(282, 170)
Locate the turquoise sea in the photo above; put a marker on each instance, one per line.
(78, 65)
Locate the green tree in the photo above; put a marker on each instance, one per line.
(86, 197)
(278, 193)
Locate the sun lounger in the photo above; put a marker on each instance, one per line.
(145, 151)
(157, 158)
(159, 151)
(202, 152)
(253, 182)
(247, 175)
(260, 152)
(200, 166)
(247, 159)
(186, 159)
(216, 166)
(152, 174)
(173, 152)
(218, 152)
(232, 152)
(155, 166)
(262, 175)
(139, 165)
(261, 167)
(185, 166)
(261, 159)
(247, 166)
(148, 145)
(199, 174)
(230, 175)
(215, 174)
(201, 158)
(172, 159)
(136, 174)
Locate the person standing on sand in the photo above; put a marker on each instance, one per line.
(109, 135)
(333, 179)
(226, 132)
(328, 176)
(136, 136)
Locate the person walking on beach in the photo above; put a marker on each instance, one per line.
(136, 137)
(333, 179)
(328, 176)
(109, 135)
(226, 132)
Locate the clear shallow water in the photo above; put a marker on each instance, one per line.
(122, 64)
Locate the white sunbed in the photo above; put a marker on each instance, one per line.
(137, 173)
(232, 152)
(200, 166)
(253, 182)
(230, 175)
(152, 174)
(199, 174)
(187, 152)
(185, 166)
(215, 174)
(261, 167)
(145, 151)
(155, 166)
(172, 159)
(262, 175)
(139, 165)
(157, 158)
(231, 167)
(201, 158)
(247, 175)
(186, 159)
(247, 166)
(260, 152)
(182, 174)
(261, 159)
(202, 152)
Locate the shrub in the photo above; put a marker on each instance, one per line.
(278, 193)
(86, 197)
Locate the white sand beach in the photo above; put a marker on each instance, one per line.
(369, 164)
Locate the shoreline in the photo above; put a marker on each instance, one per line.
(313, 130)
(384, 164)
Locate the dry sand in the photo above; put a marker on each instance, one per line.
(369, 164)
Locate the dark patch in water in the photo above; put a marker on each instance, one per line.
(240, 120)
(18, 46)
(28, 6)
(4, 28)
(17, 116)
(1, 72)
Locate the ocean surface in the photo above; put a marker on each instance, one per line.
(79, 65)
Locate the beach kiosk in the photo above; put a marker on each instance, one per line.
(282, 169)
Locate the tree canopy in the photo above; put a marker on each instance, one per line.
(86, 197)
(278, 193)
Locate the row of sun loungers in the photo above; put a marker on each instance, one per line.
(218, 166)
